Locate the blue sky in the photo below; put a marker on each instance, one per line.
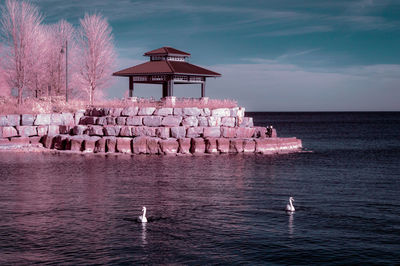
(273, 55)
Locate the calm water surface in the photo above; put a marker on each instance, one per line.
(229, 209)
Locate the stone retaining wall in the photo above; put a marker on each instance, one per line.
(146, 130)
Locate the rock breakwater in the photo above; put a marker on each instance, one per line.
(146, 130)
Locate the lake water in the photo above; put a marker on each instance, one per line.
(228, 209)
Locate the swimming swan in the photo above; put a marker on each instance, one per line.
(142, 218)
(289, 206)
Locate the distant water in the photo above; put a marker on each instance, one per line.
(75, 209)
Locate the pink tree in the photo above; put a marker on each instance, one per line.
(97, 57)
(20, 26)
(59, 36)
(5, 89)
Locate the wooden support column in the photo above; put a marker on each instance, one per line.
(130, 86)
(170, 87)
(165, 89)
(203, 89)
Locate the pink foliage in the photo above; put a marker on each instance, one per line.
(97, 57)
(20, 25)
(5, 89)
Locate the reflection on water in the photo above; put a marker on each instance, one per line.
(144, 233)
(290, 223)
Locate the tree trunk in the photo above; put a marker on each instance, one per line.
(19, 96)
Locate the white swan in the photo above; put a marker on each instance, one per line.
(142, 218)
(289, 206)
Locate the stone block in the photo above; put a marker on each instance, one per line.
(111, 130)
(163, 132)
(266, 146)
(260, 132)
(4, 141)
(88, 120)
(27, 120)
(77, 117)
(78, 130)
(20, 141)
(171, 121)
(9, 132)
(164, 111)
(100, 145)
(26, 131)
(178, 111)
(228, 121)
(95, 130)
(13, 120)
(190, 121)
(56, 119)
(244, 132)
(153, 146)
(146, 111)
(221, 112)
(3, 121)
(211, 145)
(115, 112)
(112, 121)
(234, 111)
(178, 132)
(144, 131)
(228, 132)
(212, 132)
(236, 145)
(130, 111)
(237, 112)
(111, 144)
(206, 112)
(42, 130)
(97, 112)
(198, 146)
(184, 145)
(191, 111)
(89, 144)
(169, 146)
(152, 121)
(223, 145)
(134, 121)
(48, 141)
(249, 145)
(60, 142)
(67, 119)
(35, 140)
(121, 121)
(76, 143)
(125, 131)
(139, 145)
(42, 119)
(246, 122)
(53, 130)
(214, 121)
(194, 132)
(101, 121)
(203, 121)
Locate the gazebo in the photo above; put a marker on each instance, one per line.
(167, 66)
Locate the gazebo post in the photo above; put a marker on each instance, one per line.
(203, 89)
(165, 89)
(170, 87)
(130, 86)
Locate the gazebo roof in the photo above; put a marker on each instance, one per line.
(166, 67)
(167, 51)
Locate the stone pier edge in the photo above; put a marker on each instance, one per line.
(146, 130)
